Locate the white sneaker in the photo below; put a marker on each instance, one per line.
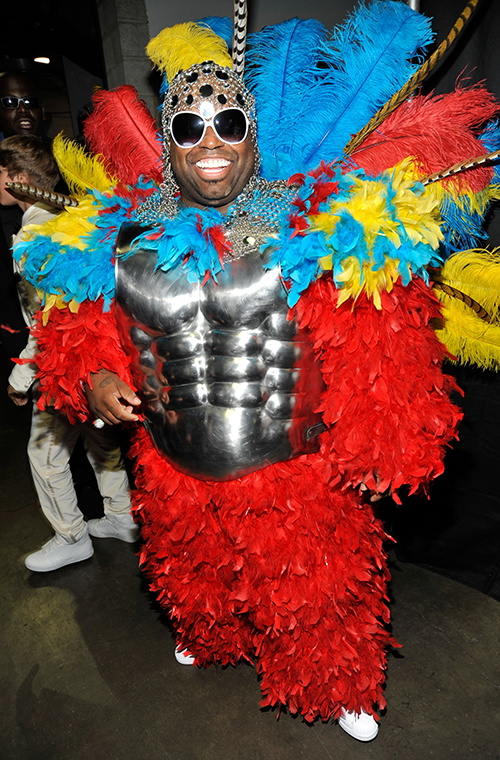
(185, 657)
(58, 553)
(122, 527)
(363, 727)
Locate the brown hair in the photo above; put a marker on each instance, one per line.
(28, 155)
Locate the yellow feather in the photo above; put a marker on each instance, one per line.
(58, 302)
(79, 169)
(70, 226)
(467, 337)
(476, 273)
(181, 46)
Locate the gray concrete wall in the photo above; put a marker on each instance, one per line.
(163, 13)
(125, 34)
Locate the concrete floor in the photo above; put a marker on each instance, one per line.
(87, 669)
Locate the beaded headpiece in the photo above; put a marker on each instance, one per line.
(198, 77)
(207, 82)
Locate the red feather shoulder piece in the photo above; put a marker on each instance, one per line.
(122, 130)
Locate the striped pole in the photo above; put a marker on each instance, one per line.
(240, 36)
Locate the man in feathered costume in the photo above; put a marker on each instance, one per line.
(274, 316)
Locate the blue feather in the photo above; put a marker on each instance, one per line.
(276, 58)
(334, 85)
(463, 225)
(220, 25)
(490, 138)
(368, 61)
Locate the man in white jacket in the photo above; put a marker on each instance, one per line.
(53, 438)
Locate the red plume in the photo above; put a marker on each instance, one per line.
(438, 131)
(122, 130)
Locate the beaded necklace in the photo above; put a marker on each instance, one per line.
(255, 214)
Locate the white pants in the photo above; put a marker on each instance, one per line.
(51, 444)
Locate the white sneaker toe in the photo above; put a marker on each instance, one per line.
(362, 727)
(184, 657)
(114, 526)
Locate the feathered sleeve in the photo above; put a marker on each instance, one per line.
(387, 404)
(72, 345)
(371, 314)
(70, 261)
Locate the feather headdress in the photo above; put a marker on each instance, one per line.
(415, 80)
(342, 81)
(277, 58)
(181, 46)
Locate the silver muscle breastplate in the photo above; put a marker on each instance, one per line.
(228, 382)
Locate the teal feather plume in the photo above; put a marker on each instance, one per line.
(275, 61)
(334, 83)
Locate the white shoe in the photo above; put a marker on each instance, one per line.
(363, 727)
(185, 657)
(58, 553)
(122, 527)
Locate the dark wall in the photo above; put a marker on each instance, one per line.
(474, 58)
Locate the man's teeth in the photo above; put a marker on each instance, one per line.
(212, 163)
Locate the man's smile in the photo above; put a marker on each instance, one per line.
(24, 122)
(212, 166)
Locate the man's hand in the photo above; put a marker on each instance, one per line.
(19, 399)
(376, 495)
(110, 399)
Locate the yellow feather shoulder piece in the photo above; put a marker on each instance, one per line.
(181, 46)
(472, 340)
(80, 170)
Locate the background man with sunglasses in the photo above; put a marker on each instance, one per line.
(20, 114)
(20, 109)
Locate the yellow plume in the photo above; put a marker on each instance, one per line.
(79, 169)
(466, 336)
(476, 273)
(181, 46)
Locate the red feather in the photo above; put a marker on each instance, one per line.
(122, 130)
(438, 131)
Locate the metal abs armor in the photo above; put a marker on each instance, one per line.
(228, 383)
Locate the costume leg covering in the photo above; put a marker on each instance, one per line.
(274, 563)
(191, 560)
(312, 583)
